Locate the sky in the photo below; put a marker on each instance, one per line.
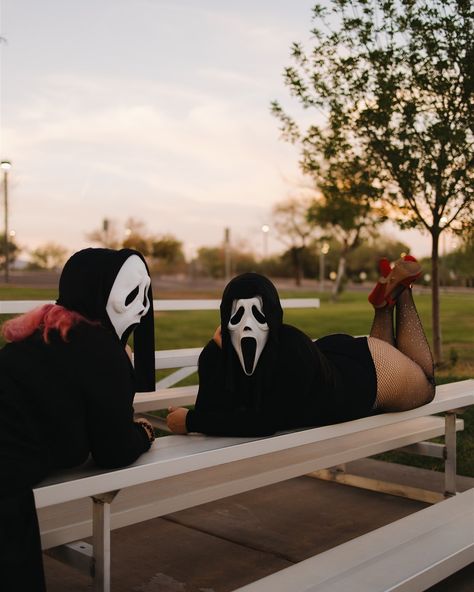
(153, 110)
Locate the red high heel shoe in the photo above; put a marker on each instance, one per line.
(394, 280)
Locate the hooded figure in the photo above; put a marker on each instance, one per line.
(66, 391)
(114, 289)
(251, 319)
(268, 376)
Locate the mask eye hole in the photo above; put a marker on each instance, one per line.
(258, 315)
(131, 297)
(237, 316)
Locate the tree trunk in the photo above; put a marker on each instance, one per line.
(435, 308)
(297, 265)
(341, 270)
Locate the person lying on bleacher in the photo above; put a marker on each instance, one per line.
(258, 376)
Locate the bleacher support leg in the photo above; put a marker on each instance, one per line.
(101, 540)
(450, 454)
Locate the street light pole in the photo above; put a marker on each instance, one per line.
(324, 251)
(227, 254)
(6, 165)
(265, 231)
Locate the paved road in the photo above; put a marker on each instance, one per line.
(166, 284)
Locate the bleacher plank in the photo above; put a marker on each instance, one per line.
(408, 555)
(159, 305)
(184, 471)
(184, 454)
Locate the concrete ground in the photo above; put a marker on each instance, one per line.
(220, 546)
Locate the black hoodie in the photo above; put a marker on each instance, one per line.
(84, 287)
(63, 400)
(293, 386)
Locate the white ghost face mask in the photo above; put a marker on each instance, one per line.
(128, 299)
(248, 330)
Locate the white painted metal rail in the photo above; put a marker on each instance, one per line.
(184, 457)
(409, 555)
(184, 360)
(159, 305)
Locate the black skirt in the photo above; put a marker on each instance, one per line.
(354, 377)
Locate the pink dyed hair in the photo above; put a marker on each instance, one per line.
(45, 318)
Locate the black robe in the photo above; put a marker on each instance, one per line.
(60, 402)
(65, 400)
(297, 383)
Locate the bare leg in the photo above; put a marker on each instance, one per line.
(405, 372)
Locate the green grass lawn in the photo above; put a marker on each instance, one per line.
(352, 315)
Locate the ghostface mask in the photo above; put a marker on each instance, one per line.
(128, 298)
(248, 330)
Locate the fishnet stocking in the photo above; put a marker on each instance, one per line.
(382, 326)
(405, 371)
(401, 383)
(411, 338)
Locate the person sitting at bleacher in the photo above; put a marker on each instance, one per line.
(66, 392)
(258, 375)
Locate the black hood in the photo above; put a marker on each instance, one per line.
(249, 285)
(238, 385)
(84, 287)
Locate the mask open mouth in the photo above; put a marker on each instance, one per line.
(249, 348)
(128, 331)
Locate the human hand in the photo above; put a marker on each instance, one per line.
(176, 420)
(218, 336)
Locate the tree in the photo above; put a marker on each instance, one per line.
(136, 236)
(349, 205)
(48, 256)
(294, 230)
(168, 252)
(107, 236)
(210, 261)
(397, 76)
(364, 259)
(458, 263)
(13, 251)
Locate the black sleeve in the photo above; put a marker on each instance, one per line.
(288, 403)
(214, 414)
(107, 375)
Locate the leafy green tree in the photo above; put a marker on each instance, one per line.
(396, 76)
(167, 251)
(210, 261)
(48, 256)
(364, 259)
(13, 251)
(294, 230)
(459, 263)
(348, 207)
(136, 236)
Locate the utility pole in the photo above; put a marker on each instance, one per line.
(227, 254)
(6, 165)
